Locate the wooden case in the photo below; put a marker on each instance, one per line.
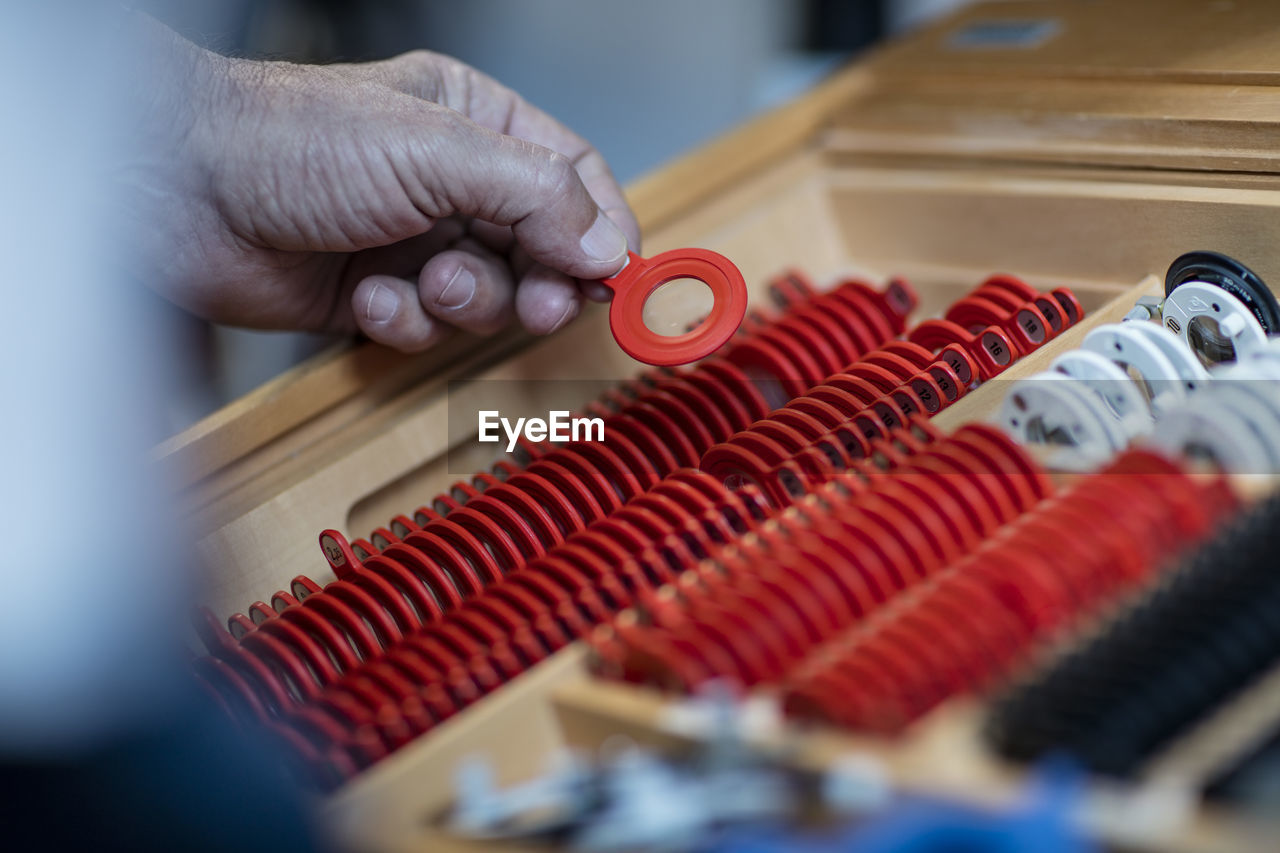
(1075, 143)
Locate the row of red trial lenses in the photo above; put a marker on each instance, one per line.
(983, 617)
(756, 609)
(817, 333)
(834, 423)
(330, 632)
(438, 669)
(1002, 320)
(842, 417)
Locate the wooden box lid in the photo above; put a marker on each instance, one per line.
(1168, 84)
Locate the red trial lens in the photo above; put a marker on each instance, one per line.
(638, 280)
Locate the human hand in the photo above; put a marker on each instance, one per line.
(400, 198)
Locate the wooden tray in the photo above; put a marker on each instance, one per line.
(1137, 131)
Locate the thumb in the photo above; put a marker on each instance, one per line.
(475, 172)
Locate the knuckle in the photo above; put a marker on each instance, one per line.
(419, 59)
(418, 72)
(557, 179)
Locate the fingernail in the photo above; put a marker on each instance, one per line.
(565, 316)
(383, 304)
(459, 290)
(604, 241)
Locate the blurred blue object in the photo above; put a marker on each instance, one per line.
(930, 825)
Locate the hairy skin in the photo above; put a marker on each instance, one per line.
(401, 198)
